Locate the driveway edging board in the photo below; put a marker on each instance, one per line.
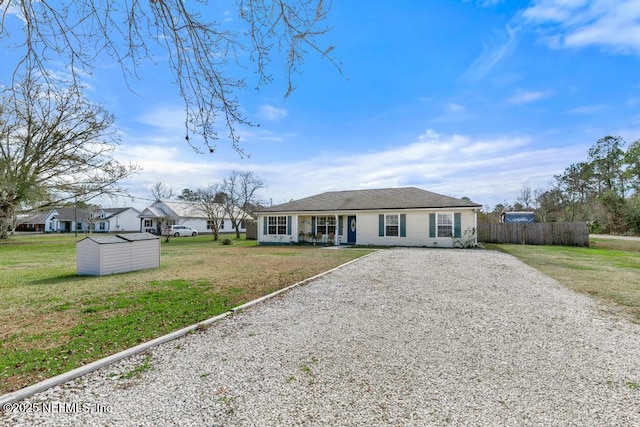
(41, 386)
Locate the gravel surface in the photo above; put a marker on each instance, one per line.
(401, 337)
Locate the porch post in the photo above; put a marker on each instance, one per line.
(295, 226)
(336, 236)
(475, 227)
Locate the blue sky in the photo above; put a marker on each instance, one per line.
(464, 98)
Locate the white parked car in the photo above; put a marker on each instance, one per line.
(180, 231)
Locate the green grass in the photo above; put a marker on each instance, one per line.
(608, 270)
(54, 321)
(138, 369)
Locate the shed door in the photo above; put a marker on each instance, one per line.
(351, 230)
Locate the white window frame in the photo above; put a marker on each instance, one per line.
(277, 225)
(448, 224)
(392, 220)
(326, 225)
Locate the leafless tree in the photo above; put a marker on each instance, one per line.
(240, 194)
(78, 33)
(207, 200)
(55, 147)
(526, 197)
(160, 191)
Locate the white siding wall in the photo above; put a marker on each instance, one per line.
(116, 258)
(278, 238)
(87, 252)
(417, 228)
(201, 225)
(146, 254)
(125, 221)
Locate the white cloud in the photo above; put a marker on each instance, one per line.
(612, 24)
(524, 97)
(486, 169)
(165, 120)
(455, 108)
(491, 55)
(485, 3)
(553, 10)
(587, 109)
(271, 113)
(429, 134)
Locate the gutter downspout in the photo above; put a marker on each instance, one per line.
(475, 224)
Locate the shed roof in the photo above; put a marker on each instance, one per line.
(373, 199)
(104, 240)
(121, 238)
(135, 237)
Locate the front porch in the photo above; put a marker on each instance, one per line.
(307, 229)
(318, 230)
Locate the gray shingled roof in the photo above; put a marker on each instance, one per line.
(385, 198)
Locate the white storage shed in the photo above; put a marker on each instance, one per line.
(103, 255)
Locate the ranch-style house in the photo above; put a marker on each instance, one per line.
(163, 213)
(405, 216)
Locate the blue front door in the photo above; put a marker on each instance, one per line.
(351, 230)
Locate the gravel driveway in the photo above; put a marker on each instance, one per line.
(401, 337)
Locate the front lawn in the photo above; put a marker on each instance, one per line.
(54, 321)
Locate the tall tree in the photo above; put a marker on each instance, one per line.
(549, 205)
(240, 195)
(79, 33)
(525, 197)
(208, 201)
(607, 160)
(188, 195)
(574, 185)
(632, 160)
(160, 191)
(55, 146)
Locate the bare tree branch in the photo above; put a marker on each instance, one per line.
(240, 194)
(77, 33)
(54, 146)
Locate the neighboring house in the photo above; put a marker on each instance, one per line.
(37, 222)
(164, 213)
(91, 219)
(391, 217)
(116, 220)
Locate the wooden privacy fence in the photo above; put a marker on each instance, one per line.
(546, 233)
(252, 230)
